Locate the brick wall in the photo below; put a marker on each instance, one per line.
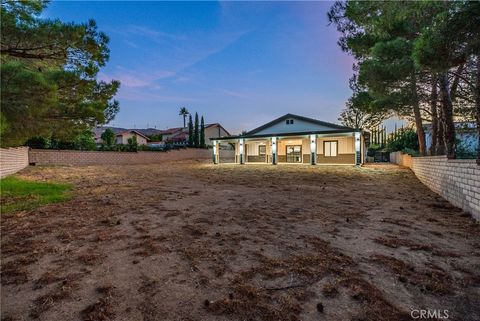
(456, 180)
(73, 157)
(12, 160)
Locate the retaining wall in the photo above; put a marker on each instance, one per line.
(12, 160)
(79, 158)
(457, 180)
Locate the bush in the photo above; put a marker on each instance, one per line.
(372, 149)
(406, 140)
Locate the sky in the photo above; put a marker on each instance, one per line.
(240, 64)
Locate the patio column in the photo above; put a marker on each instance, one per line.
(358, 155)
(241, 149)
(274, 150)
(216, 150)
(313, 149)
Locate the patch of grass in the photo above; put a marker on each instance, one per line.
(19, 194)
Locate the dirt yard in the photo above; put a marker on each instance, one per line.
(194, 241)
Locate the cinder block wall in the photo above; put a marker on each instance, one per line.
(79, 158)
(12, 160)
(456, 180)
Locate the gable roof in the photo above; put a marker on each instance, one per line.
(306, 119)
(132, 131)
(217, 124)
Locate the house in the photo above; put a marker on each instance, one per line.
(122, 137)
(295, 139)
(214, 130)
(466, 133)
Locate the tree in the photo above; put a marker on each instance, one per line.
(85, 141)
(48, 75)
(357, 114)
(196, 134)
(190, 131)
(202, 133)
(108, 137)
(184, 112)
(132, 144)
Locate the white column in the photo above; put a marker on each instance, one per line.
(274, 150)
(241, 144)
(215, 152)
(313, 149)
(358, 156)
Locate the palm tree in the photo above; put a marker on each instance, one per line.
(184, 112)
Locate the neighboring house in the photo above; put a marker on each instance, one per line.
(296, 139)
(122, 138)
(466, 133)
(214, 130)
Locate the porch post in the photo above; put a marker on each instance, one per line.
(274, 150)
(215, 152)
(313, 149)
(241, 143)
(358, 152)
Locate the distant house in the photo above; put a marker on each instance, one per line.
(122, 138)
(214, 130)
(466, 133)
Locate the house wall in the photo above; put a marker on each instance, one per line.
(12, 160)
(123, 139)
(345, 152)
(457, 180)
(298, 126)
(214, 132)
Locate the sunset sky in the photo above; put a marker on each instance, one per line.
(238, 63)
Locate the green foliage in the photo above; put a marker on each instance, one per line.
(202, 133)
(155, 138)
(19, 194)
(190, 131)
(373, 148)
(85, 141)
(183, 112)
(132, 144)
(196, 134)
(108, 137)
(465, 150)
(48, 75)
(406, 139)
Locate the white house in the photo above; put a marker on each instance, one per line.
(122, 137)
(295, 139)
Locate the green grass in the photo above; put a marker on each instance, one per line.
(19, 194)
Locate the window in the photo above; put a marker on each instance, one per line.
(262, 150)
(289, 122)
(330, 149)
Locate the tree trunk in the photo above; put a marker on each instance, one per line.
(440, 148)
(477, 104)
(433, 102)
(418, 117)
(447, 108)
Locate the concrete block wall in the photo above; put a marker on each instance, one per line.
(456, 180)
(12, 160)
(79, 158)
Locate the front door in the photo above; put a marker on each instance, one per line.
(294, 153)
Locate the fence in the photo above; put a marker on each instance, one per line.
(457, 180)
(79, 158)
(12, 160)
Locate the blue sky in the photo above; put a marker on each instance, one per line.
(238, 63)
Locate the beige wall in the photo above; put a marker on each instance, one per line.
(12, 160)
(123, 139)
(457, 180)
(213, 132)
(346, 144)
(73, 157)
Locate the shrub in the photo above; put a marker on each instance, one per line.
(406, 140)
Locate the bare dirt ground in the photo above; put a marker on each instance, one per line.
(194, 241)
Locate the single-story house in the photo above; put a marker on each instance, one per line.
(122, 137)
(214, 130)
(465, 131)
(295, 139)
